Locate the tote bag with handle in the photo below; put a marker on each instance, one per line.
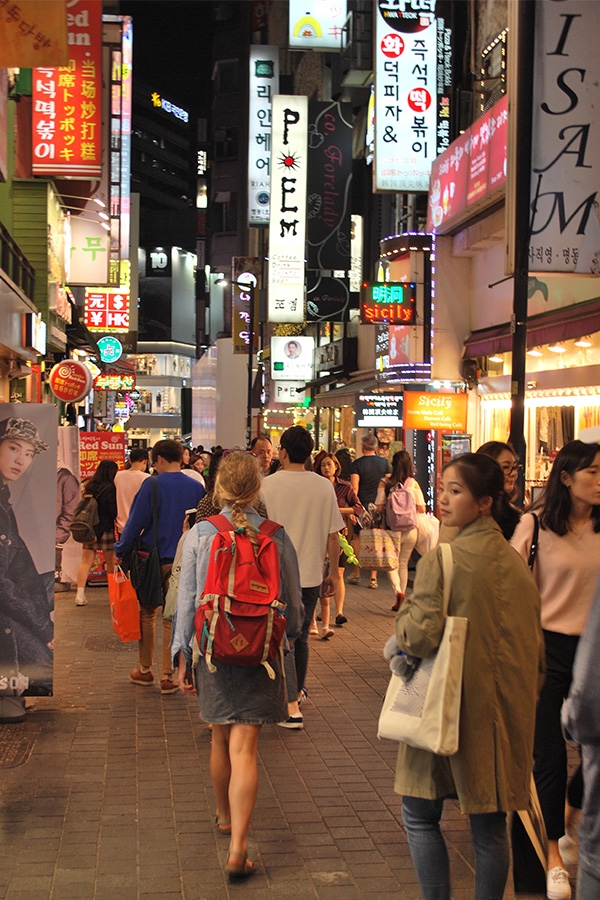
(424, 711)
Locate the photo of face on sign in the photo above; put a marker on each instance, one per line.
(292, 350)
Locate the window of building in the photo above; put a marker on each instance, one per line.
(225, 211)
(226, 143)
(226, 76)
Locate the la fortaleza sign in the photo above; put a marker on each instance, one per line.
(394, 303)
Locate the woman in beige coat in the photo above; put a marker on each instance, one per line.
(494, 589)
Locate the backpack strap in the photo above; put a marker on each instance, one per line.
(221, 522)
(269, 527)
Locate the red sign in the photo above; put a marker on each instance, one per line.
(107, 311)
(392, 302)
(67, 101)
(94, 446)
(473, 166)
(119, 382)
(70, 381)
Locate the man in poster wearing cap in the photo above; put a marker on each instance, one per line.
(26, 629)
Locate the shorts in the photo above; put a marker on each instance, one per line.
(106, 542)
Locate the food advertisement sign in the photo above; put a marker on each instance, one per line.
(70, 381)
(67, 101)
(317, 24)
(435, 412)
(94, 446)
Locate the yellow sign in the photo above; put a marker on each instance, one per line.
(438, 412)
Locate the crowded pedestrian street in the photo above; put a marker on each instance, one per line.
(105, 786)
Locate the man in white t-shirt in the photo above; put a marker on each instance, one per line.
(306, 505)
(128, 483)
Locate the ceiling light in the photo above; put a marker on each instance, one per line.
(534, 352)
(557, 348)
(221, 282)
(584, 342)
(496, 358)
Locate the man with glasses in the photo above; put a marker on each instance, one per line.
(262, 448)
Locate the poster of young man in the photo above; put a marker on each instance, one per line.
(28, 446)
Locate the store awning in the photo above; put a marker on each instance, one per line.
(559, 325)
(346, 395)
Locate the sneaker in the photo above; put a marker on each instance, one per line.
(327, 633)
(167, 686)
(296, 722)
(313, 628)
(302, 696)
(139, 677)
(568, 848)
(557, 884)
(340, 619)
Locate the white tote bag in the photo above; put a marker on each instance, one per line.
(424, 712)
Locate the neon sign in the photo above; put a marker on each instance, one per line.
(393, 303)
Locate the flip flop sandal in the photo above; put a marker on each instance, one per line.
(239, 866)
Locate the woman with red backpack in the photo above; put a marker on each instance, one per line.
(399, 499)
(236, 695)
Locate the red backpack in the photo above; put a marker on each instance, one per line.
(239, 620)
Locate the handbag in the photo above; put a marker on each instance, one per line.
(379, 549)
(424, 711)
(124, 606)
(428, 529)
(144, 566)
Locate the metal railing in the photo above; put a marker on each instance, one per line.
(16, 265)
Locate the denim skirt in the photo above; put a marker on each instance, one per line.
(240, 694)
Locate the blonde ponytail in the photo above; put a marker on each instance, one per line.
(238, 484)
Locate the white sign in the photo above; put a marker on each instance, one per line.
(264, 83)
(289, 391)
(317, 24)
(287, 221)
(405, 94)
(90, 255)
(566, 138)
(356, 254)
(292, 358)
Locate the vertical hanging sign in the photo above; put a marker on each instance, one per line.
(244, 291)
(67, 113)
(264, 83)
(287, 221)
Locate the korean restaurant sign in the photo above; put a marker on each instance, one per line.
(471, 173)
(90, 257)
(107, 310)
(67, 101)
(118, 382)
(437, 412)
(565, 235)
(412, 58)
(264, 83)
(33, 33)
(394, 303)
(287, 221)
(316, 24)
(94, 446)
(244, 291)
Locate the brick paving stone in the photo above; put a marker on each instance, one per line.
(115, 800)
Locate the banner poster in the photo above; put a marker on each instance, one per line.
(94, 446)
(565, 235)
(329, 182)
(68, 494)
(28, 453)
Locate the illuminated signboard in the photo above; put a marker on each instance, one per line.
(114, 383)
(169, 107)
(263, 84)
(292, 358)
(67, 101)
(107, 310)
(438, 412)
(317, 24)
(110, 349)
(287, 222)
(393, 303)
(379, 410)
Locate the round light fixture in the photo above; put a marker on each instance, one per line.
(584, 342)
(496, 358)
(534, 352)
(557, 348)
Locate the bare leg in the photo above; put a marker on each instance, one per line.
(340, 594)
(325, 612)
(109, 558)
(87, 560)
(220, 769)
(243, 784)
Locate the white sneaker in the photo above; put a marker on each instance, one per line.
(557, 884)
(569, 849)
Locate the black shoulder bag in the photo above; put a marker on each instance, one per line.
(145, 564)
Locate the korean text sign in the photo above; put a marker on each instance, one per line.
(94, 446)
(437, 412)
(287, 222)
(264, 83)
(67, 101)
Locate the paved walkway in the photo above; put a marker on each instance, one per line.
(105, 790)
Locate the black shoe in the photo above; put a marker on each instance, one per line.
(340, 620)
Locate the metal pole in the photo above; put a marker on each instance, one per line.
(522, 164)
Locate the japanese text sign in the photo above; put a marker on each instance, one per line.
(107, 310)
(67, 108)
(70, 381)
(263, 84)
(94, 446)
(437, 412)
(287, 221)
(393, 303)
(378, 410)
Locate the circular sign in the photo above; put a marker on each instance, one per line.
(70, 381)
(134, 395)
(110, 349)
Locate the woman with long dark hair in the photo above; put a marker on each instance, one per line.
(508, 461)
(566, 568)
(490, 774)
(101, 486)
(402, 474)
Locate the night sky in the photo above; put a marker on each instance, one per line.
(171, 48)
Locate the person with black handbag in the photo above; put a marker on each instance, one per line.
(149, 541)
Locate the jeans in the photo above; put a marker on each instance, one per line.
(309, 598)
(588, 885)
(148, 630)
(399, 577)
(430, 857)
